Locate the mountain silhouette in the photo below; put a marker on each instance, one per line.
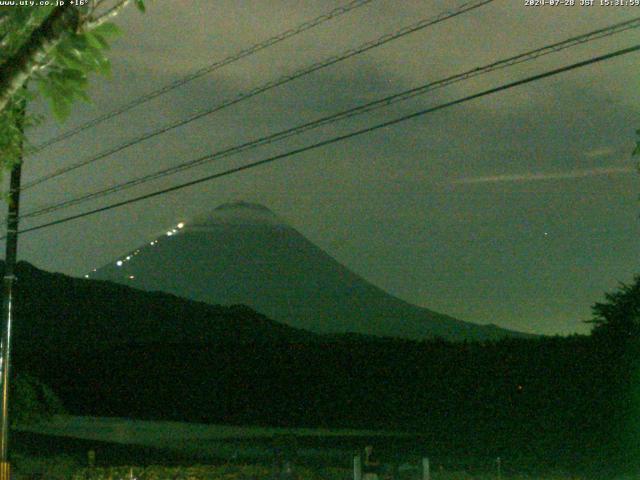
(243, 253)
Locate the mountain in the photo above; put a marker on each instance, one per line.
(243, 253)
(58, 312)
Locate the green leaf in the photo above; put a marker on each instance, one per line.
(636, 151)
(65, 55)
(74, 75)
(141, 6)
(107, 30)
(58, 100)
(61, 108)
(94, 56)
(45, 88)
(104, 66)
(97, 41)
(84, 96)
(78, 41)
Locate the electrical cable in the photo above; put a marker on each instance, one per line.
(205, 70)
(422, 24)
(366, 108)
(333, 140)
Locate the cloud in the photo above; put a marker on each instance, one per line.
(530, 177)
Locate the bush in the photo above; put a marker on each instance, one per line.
(203, 472)
(48, 468)
(32, 401)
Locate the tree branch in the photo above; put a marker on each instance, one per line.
(108, 15)
(15, 71)
(99, 3)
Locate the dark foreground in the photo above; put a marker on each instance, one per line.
(57, 458)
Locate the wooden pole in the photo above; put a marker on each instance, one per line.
(426, 469)
(357, 468)
(8, 282)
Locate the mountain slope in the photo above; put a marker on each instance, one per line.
(244, 254)
(55, 311)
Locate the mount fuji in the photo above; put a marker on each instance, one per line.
(243, 253)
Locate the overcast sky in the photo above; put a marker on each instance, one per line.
(519, 209)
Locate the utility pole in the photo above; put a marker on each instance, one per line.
(8, 307)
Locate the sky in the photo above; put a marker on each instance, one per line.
(519, 209)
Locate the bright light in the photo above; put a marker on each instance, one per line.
(129, 257)
(119, 263)
(169, 233)
(131, 277)
(174, 230)
(86, 276)
(181, 225)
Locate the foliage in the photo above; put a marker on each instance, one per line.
(61, 73)
(32, 401)
(253, 472)
(12, 124)
(16, 24)
(636, 151)
(619, 314)
(617, 334)
(28, 467)
(77, 55)
(196, 472)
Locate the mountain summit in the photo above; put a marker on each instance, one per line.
(243, 253)
(238, 213)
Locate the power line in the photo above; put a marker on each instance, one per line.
(362, 109)
(345, 114)
(336, 12)
(330, 141)
(422, 24)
